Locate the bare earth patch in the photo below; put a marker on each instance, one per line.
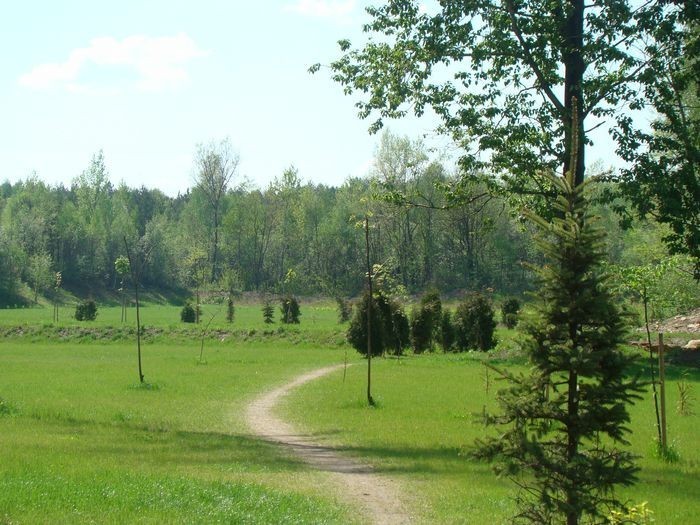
(377, 497)
(689, 322)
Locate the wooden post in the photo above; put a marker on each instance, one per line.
(662, 391)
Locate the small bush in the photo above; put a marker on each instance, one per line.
(86, 310)
(639, 514)
(431, 303)
(447, 331)
(669, 454)
(290, 310)
(425, 322)
(268, 312)
(510, 320)
(396, 332)
(390, 328)
(686, 399)
(344, 310)
(188, 314)
(475, 324)
(6, 408)
(357, 331)
(509, 312)
(230, 310)
(421, 330)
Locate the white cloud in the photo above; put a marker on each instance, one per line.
(158, 61)
(323, 8)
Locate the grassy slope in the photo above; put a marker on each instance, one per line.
(424, 424)
(84, 443)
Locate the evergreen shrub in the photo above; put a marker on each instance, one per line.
(344, 309)
(268, 312)
(188, 314)
(86, 310)
(447, 331)
(421, 330)
(425, 322)
(290, 310)
(509, 312)
(475, 324)
(390, 328)
(230, 310)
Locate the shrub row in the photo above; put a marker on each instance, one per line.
(470, 327)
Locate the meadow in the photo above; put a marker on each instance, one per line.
(82, 441)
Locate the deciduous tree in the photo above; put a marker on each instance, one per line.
(216, 165)
(663, 177)
(138, 253)
(512, 81)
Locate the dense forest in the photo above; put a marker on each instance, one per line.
(293, 236)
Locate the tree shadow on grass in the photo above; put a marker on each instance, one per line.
(674, 370)
(129, 443)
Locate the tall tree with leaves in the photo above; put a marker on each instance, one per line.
(560, 416)
(93, 192)
(399, 164)
(663, 177)
(9, 276)
(40, 275)
(216, 164)
(502, 75)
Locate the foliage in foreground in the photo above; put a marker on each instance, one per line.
(559, 416)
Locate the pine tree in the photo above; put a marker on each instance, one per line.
(565, 417)
(268, 312)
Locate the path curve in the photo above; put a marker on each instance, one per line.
(376, 496)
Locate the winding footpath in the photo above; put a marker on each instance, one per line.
(377, 497)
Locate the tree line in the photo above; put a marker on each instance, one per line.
(292, 236)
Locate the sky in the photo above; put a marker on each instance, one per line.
(146, 81)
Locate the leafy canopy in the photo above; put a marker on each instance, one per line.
(504, 76)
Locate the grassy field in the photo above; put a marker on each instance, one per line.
(314, 314)
(425, 423)
(318, 320)
(81, 441)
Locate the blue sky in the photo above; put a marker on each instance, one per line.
(147, 80)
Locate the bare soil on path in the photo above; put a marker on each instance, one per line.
(377, 497)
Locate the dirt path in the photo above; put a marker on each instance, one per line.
(376, 496)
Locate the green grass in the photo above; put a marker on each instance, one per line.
(316, 315)
(83, 442)
(319, 315)
(424, 423)
(161, 323)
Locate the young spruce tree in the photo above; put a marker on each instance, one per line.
(563, 419)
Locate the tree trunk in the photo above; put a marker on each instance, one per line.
(572, 514)
(138, 330)
(574, 139)
(370, 401)
(215, 251)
